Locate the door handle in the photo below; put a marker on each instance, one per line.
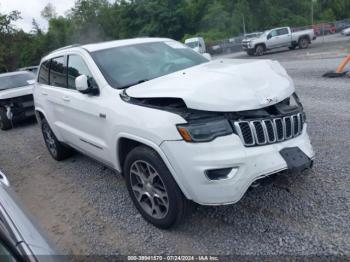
(66, 98)
(44, 93)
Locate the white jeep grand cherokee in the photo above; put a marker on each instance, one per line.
(177, 126)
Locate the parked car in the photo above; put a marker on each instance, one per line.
(226, 46)
(341, 25)
(20, 239)
(16, 98)
(33, 69)
(177, 126)
(346, 31)
(325, 29)
(215, 49)
(197, 44)
(232, 45)
(277, 38)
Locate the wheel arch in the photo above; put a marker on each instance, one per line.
(262, 44)
(126, 142)
(40, 115)
(307, 37)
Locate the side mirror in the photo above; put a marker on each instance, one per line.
(207, 56)
(269, 36)
(82, 85)
(86, 86)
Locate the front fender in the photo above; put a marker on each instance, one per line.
(155, 147)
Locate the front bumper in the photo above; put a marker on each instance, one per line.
(19, 108)
(21, 113)
(189, 161)
(246, 46)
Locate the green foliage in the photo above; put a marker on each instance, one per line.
(100, 20)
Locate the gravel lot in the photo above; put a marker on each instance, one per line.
(85, 207)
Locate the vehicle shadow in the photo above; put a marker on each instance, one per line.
(25, 123)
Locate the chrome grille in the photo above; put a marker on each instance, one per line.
(268, 131)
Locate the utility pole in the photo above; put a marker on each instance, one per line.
(244, 31)
(312, 11)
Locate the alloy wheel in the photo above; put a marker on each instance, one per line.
(303, 43)
(259, 51)
(149, 189)
(49, 140)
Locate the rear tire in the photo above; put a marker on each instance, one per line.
(153, 189)
(259, 50)
(303, 43)
(5, 123)
(57, 150)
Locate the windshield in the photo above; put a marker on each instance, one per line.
(192, 44)
(17, 80)
(265, 33)
(129, 65)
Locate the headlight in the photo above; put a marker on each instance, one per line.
(206, 131)
(295, 101)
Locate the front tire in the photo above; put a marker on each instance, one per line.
(57, 150)
(5, 123)
(259, 50)
(152, 188)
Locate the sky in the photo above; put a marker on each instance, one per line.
(31, 9)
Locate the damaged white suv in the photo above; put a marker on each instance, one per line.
(177, 126)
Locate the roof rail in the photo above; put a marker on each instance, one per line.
(65, 47)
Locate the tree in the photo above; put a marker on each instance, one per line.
(7, 20)
(99, 20)
(35, 28)
(49, 12)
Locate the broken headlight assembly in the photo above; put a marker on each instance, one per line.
(205, 131)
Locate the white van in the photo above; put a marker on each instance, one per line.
(197, 44)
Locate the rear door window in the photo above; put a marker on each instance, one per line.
(5, 254)
(58, 72)
(283, 31)
(6, 243)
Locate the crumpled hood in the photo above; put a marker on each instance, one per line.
(222, 85)
(16, 92)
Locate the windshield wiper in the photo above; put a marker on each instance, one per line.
(133, 84)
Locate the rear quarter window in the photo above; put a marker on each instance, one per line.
(43, 76)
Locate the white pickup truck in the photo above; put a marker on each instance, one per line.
(277, 38)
